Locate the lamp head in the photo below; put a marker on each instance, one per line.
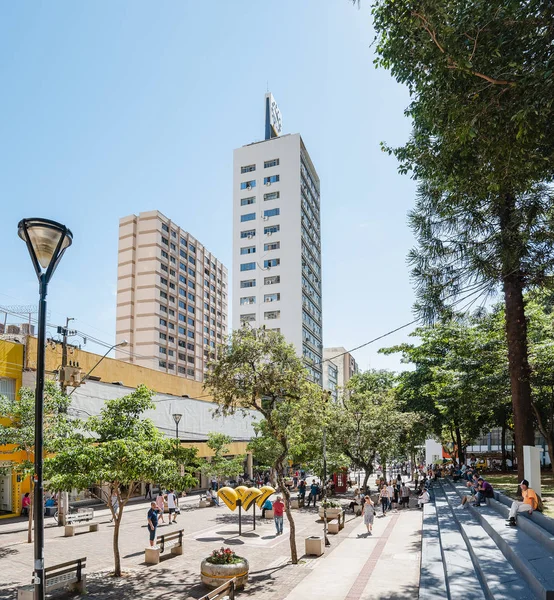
(177, 418)
(46, 241)
(123, 343)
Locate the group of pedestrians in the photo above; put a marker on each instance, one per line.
(394, 494)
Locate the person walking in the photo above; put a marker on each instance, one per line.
(368, 511)
(278, 509)
(384, 497)
(392, 496)
(172, 506)
(314, 490)
(405, 496)
(148, 492)
(160, 504)
(152, 522)
(529, 504)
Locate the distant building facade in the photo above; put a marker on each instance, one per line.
(172, 304)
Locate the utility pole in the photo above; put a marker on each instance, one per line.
(65, 332)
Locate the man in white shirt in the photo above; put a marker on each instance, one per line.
(171, 504)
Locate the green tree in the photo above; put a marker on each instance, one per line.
(540, 311)
(118, 450)
(221, 465)
(259, 371)
(17, 429)
(368, 422)
(459, 378)
(481, 79)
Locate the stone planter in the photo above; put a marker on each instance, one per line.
(215, 575)
(269, 514)
(315, 546)
(332, 513)
(297, 503)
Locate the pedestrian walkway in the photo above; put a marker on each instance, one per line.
(383, 566)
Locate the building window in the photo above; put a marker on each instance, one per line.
(272, 229)
(190, 372)
(272, 280)
(172, 272)
(248, 300)
(190, 334)
(165, 254)
(272, 262)
(163, 280)
(248, 217)
(272, 246)
(183, 254)
(162, 336)
(181, 370)
(248, 266)
(163, 295)
(162, 364)
(191, 297)
(192, 248)
(182, 304)
(163, 322)
(165, 227)
(173, 246)
(170, 353)
(247, 201)
(249, 234)
(272, 314)
(248, 169)
(171, 286)
(190, 347)
(165, 241)
(272, 297)
(170, 325)
(271, 179)
(272, 212)
(171, 339)
(173, 234)
(248, 250)
(183, 241)
(247, 318)
(247, 283)
(248, 185)
(163, 308)
(170, 366)
(190, 321)
(271, 163)
(271, 196)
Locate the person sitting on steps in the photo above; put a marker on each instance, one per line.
(529, 504)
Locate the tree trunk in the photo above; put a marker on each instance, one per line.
(279, 466)
(116, 555)
(461, 453)
(367, 473)
(518, 360)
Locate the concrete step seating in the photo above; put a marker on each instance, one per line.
(527, 547)
(470, 554)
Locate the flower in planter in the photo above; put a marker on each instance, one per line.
(224, 556)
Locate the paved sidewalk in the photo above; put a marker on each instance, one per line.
(383, 566)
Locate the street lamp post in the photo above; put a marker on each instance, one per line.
(46, 242)
(177, 418)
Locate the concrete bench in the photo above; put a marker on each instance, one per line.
(206, 503)
(297, 503)
(335, 524)
(74, 521)
(69, 574)
(269, 514)
(223, 592)
(170, 541)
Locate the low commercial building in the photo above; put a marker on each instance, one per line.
(111, 378)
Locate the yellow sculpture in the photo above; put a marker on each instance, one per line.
(246, 496)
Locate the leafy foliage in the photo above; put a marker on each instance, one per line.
(482, 148)
(118, 450)
(219, 465)
(259, 371)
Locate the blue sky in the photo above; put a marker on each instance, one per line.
(112, 108)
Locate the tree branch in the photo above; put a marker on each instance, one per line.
(452, 64)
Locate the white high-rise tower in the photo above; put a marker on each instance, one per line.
(277, 240)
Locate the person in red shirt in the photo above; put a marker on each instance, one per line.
(278, 510)
(25, 505)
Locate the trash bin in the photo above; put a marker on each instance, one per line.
(315, 545)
